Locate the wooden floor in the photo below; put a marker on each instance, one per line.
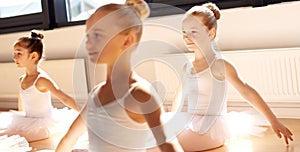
(268, 143)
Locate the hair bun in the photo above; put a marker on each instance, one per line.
(36, 34)
(214, 8)
(141, 7)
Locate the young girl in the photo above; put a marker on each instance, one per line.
(121, 109)
(205, 82)
(35, 119)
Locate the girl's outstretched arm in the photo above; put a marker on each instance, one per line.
(20, 106)
(251, 95)
(152, 115)
(44, 85)
(77, 129)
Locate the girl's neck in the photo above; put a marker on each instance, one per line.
(32, 71)
(207, 56)
(119, 84)
(119, 74)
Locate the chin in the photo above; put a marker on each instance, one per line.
(18, 66)
(93, 60)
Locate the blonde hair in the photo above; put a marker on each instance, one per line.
(137, 7)
(141, 8)
(208, 12)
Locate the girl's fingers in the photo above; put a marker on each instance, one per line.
(286, 140)
(278, 134)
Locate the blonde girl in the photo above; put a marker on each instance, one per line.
(122, 109)
(205, 82)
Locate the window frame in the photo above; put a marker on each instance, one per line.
(27, 22)
(54, 13)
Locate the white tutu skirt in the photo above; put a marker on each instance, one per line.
(14, 143)
(184, 128)
(197, 132)
(229, 125)
(36, 128)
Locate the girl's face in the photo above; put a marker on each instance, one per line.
(101, 46)
(21, 56)
(195, 34)
(105, 37)
(109, 33)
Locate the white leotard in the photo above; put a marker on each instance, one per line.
(203, 89)
(36, 120)
(35, 103)
(206, 97)
(111, 129)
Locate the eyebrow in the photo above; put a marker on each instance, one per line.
(190, 28)
(95, 30)
(17, 50)
(98, 30)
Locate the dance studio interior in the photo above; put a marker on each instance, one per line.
(260, 38)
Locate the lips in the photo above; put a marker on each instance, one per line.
(92, 53)
(188, 42)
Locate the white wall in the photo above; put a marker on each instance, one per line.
(273, 26)
(71, 78)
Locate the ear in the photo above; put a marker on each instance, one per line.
(129, 40)
(212, 33)
(34, 56)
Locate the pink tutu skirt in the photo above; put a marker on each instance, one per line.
(36, 128)
(197, 133)
(14, 143)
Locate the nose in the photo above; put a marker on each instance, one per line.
(186, 38)
(15, 57)
(88, 44)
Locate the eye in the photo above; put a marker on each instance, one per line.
(194, 32)
(97, 35)
(17, 53)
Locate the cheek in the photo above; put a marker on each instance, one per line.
(114, 44)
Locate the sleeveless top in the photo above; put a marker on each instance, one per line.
(35, 103)
(111, 129)
(206, 96)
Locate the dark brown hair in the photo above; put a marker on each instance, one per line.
(32, 42)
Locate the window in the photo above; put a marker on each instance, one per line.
(19, 7)
(16, 15)
(24, 15)
(79, 10)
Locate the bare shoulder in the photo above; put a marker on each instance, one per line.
(223, 68)
(44, 84)
(141, 93)
(218, 69)
(225, 63)
(43, 80)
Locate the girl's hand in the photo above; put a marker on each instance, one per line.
(280, 130)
